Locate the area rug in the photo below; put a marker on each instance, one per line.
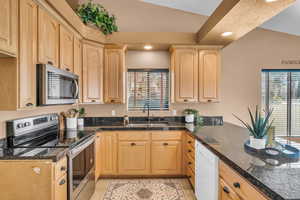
(144, 189)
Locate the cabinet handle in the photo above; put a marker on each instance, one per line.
(67, 69)
(189, 163)
(133, 144)
(63, 168)
(189, 176)
(226, 189)
(190, 142)
(29, 104)
(209, 100)
(62, 182)
(112, 101)
(165, 144)
(189, 151)
(93, 100)
(237, 185)
(185, 100)
(50, 62)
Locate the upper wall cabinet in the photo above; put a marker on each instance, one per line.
(27, 53)
(185, 75)
(9, 27)
(114, 75)
(92, 72)
(48, 39)
(209, 75)
(66, 46)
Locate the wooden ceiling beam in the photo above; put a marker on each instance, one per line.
(239, 17)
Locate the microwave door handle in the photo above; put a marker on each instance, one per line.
(77, 88)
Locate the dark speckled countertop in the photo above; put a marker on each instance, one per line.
(281, 182)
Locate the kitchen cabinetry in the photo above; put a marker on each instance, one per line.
(78, 63)
(66, 45)
(209, 75)
(27, 53)
(9, 27)
(33, 179)
(108, 153)
(234, 185)
(48, 39)
(92, 73)
(114, 75)
(185, 72)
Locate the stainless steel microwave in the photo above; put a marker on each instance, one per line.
(56, 86)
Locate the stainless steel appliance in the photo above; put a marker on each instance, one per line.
(56, 86)
(35, 135)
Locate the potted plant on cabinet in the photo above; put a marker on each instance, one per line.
(258, 128)
(190, 115)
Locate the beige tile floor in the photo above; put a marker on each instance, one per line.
(102, 185)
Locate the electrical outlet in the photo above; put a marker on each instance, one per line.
(174, 112)
(113, 113)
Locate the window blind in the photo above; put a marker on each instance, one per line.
(148, 87)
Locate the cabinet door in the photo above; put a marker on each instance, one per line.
(108, 156)
(92, 74)
(134, 158)
(225, 192)
(209, 75)
(114, 72)
(166, 157)
(78, 63)
(66, 49)
(27, 53)
(9, 26)
(98, 157)
(185, 72)
(48, 39)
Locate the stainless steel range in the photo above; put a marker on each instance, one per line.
(35, 135)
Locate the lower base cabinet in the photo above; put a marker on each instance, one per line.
(33, 180)
(134, 158)
(166, 157)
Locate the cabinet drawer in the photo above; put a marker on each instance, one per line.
(61, 168)
(166, 135)
(191, 176)
(61, 188)
(134, 136)
(239, 184)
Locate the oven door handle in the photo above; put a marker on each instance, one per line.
(81, 147)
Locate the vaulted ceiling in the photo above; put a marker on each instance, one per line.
(287, 21)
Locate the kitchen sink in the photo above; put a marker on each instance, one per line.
(148, 125)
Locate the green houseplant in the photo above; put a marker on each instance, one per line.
(258, 128)
(190, 115)
(97, 15)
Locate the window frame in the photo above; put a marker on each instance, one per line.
(149, 70)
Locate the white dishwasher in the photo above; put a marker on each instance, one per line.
(207, 173)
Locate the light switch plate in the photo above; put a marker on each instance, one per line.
(113, 113)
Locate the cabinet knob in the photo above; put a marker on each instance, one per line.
(62, 182)
(189, 151)
(93, 100)
(112, 101)
(189, 163)
(189, 176)
(226, 189)
(237, 185)
(29, 104)
(209, 100)
(133, 144)
(185, 100)
(190, 142)
(67, 69)
(165, 144)
(63, 168)
(50, 62)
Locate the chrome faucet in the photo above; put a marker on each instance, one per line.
(148, 111)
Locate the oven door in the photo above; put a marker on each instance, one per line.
(82, 171)
(56, 86)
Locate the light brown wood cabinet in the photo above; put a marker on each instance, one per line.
(166, 157)
(232, 185)
(92, 73)
(66, 46)
(108, 153)
(27, 53)
(185, 72)
(78, 63)
(98, 156)
(134, 157)
(33, 180)
(209, 75)
(9, 27)
(48, 39)
(114, 75)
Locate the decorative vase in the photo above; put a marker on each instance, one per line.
(80, 123)
(71, 123)
(258, 143)
(189, 118)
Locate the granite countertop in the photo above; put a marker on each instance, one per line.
(279, 182)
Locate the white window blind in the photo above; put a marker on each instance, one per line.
(148, 87)
(281, 92)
